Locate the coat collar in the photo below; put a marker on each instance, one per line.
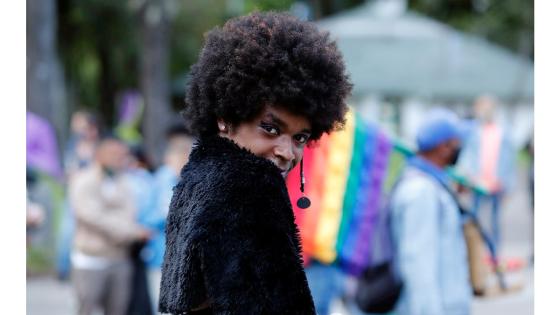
(221, 148)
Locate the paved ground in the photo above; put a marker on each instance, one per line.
(517, 233)
(47, 296)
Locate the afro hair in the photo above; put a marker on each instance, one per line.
(266, 59)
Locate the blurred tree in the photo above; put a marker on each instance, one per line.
(323, 8)
(99, 47)
(265, 5)
(193, 18)
(154, 19)
(508, 23)
(45, 91)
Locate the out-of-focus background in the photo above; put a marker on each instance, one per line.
(98, 66)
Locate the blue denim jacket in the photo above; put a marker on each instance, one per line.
(429, 245)
(163, 183)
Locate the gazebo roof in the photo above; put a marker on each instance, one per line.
(409, 54)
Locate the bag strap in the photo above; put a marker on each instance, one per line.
(474, 219)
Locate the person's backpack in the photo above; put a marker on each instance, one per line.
(379, 288)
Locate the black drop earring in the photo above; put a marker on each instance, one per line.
(303, 202)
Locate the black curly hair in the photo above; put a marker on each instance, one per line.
(266, 59)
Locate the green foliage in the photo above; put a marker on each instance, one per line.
(192, 20)
(266, 5)
(98, 45)
(508, 23)
(40, 256)
(39, 260)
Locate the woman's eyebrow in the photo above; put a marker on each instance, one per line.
(276, 120)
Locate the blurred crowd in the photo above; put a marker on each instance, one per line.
(111, 241)
(109, 237)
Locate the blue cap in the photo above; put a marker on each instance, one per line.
(439, 126)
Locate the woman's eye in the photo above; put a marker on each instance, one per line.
(302, 139)
(270, 129)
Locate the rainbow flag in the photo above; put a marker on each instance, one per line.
(345, 175)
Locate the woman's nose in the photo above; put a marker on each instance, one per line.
(284, 149)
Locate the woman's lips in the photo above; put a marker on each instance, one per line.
(283, 170)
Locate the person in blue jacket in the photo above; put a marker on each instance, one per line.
(179, 144)
(426, 225)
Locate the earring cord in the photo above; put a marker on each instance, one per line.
(303, 202)
(302, 178)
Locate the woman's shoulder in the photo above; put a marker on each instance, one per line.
(220, 163)
(225, 183)
(225, 192)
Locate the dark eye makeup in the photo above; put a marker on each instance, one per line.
(273, 129)
(270, 128)
(301, 138)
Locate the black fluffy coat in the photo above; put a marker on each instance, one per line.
(231, 237)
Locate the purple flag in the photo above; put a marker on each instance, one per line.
(42, 150)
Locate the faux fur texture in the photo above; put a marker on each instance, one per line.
(232, 238)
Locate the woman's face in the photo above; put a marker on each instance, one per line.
(275, 134)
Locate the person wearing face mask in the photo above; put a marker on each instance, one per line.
(426, 224)
(264, 86)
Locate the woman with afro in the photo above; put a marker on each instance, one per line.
(264, 86)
